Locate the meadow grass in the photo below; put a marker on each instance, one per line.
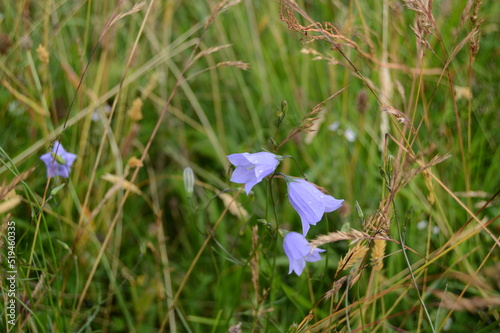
(393, 107)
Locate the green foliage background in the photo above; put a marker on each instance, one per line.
(166, 250)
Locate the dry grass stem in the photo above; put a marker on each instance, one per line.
(400, 116)
(254, 266)
(452, 302)
(152, 83)
(406, 177)
(327, 32)
(137, 7)
(219, 8)
(234, 207)
(354, 279)
(145, 89)
(124, 184)
(210, 50)
(25, 99)
(237, 64)
(335, 287)
(6, 189)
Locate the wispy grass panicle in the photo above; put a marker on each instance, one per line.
(306, 125)
(425, 19)
(336, 287)
(474, 41)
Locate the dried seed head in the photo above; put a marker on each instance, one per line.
(474, 45)
(362, 101)
(378, 253)
(25, 42)
(5, 43)
(463, 92)
(475, 11)
(11, 194)
(238, 64)
(134, 162)
(9, 204)
(235, 328)
(424, 15)
(43, 54)
(332, 237)
(135, 112)
(353, 256)
(335, 287)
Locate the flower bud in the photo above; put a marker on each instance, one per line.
(59, 159)
(390, 165)
(188, 181)
(359, 211)
(282, 111)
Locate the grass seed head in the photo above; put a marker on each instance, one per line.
(378, 253)
(353, 256)
(135, 112)
(43, 54)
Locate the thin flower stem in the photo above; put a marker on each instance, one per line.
(275, 235)
(402, 237)
(272, 201)
(347, 321)
(297, 164)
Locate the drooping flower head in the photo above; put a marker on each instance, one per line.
(58, 162)
(309, 201)
(188, 176)
(252, 168)
(298, 251)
